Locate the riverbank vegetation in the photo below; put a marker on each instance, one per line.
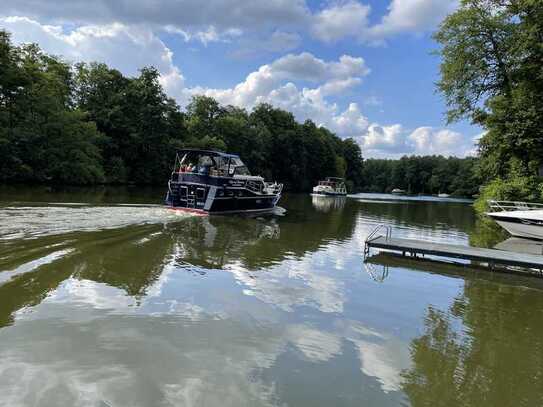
(492, 74)
(89, 124)
(422, 175)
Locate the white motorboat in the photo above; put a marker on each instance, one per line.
(520, 219)
(331, 186)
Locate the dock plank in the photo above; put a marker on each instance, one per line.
(491, 256)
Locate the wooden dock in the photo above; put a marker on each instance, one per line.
(492, 257)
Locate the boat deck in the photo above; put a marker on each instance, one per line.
(490, 256)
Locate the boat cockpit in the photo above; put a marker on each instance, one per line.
(210, 163)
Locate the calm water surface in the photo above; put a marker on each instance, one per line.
(108, 299)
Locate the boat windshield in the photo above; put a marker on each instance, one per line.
(237, 167)
(205, 164)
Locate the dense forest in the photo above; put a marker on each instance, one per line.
(88, 124)
(423, 175)
(492, 75)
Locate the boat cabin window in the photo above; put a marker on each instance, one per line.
(205, 163)
(222, 167)
(214, 165)
(237, 167)
(197, 164)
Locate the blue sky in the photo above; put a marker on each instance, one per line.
(362, 68)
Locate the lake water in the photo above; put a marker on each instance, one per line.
(109, 299)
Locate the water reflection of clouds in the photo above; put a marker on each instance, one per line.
(316, 345)
(133, 366)
(218, 360)
(380, 356)
(303, 281)
(34, 264)
(77, 293)
(208, 369)
(292, 283)
(381, 362)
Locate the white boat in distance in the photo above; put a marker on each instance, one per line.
(520, 219)
(331, 186)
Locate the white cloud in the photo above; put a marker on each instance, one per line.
(389, 139)
(273, 83)
(218, 20)
(126, 48)
(412, 16)
(187, 15)
(350, 123)
(427, 140)
(394, 141)
(351, 19)
(340, 21)
(210, 34)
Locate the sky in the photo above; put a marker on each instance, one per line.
(362, 68)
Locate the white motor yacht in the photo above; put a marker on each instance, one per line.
(331, 186)
(520, 219)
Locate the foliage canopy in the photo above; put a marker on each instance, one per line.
(492, 73)
(88, 124)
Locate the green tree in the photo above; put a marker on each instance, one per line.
(44, 137)
(427, 174)
(87, 123)
(492, 74)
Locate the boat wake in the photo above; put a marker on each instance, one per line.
(26, 221)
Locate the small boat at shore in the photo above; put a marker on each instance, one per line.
(331, 186)
(520, 219)
(206, 181)
(398, 191)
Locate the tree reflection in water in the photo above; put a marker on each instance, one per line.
(487, 350)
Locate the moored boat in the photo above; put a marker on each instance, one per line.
(331, 186)
(520, 219)
(206, 181)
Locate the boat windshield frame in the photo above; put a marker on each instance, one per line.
(219, 164)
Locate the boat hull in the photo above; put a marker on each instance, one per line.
(218, 198)
(518, 226)
(328, 194)
(522, 230)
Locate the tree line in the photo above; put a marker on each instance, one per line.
(87, 124)
(422, 175)
(492, 74)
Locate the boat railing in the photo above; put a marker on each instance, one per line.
(505, 206)
(254, 186)
(273, 187)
